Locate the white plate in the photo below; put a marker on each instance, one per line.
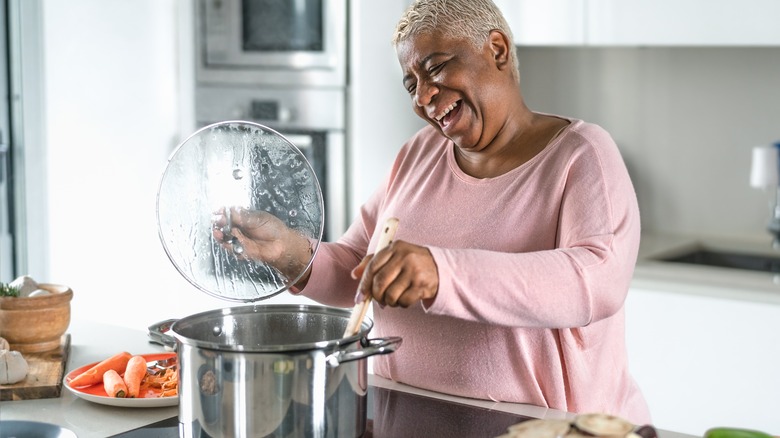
(96, 393)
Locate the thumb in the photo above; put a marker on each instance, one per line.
(357, 274)
(357, 271)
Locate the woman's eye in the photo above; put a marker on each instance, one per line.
(436, 68)
(412, 89)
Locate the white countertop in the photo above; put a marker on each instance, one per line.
(737, 284)
(92, 342)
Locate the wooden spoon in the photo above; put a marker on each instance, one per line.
(359, 312)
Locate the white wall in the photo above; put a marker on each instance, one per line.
(685, 120)
(380, 111)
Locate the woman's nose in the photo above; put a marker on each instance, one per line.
(425, 93)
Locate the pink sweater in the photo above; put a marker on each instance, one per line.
(534, 267)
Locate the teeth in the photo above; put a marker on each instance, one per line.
(446, 111)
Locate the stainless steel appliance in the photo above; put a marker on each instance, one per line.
(280, 42)
(281, 64)
(275, 370)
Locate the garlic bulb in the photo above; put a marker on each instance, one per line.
(13, 367)
(4, 345)
(39, 293)
(25, 284)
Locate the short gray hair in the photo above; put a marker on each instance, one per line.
(470, 19)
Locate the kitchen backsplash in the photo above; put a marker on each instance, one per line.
(684, 118)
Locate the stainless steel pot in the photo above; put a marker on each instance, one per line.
(271, 371)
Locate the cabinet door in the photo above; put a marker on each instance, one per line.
(545, 23)
(703, 361)
(683, 22)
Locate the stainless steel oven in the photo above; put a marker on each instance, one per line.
(279, 42)
(280, 63)
(312, 119)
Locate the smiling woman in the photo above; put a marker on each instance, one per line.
(441, 66)
(518, 237)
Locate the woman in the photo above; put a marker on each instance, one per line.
(518, 233)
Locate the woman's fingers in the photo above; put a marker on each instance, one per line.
(400, 275)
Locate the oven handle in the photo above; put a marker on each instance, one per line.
(300, 141)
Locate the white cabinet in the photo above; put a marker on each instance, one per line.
(703, 362)
(683, 22)
(550, 22)
(643, 22)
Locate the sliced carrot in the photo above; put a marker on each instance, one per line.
(117, 362)
(114, 384)
(134, 374)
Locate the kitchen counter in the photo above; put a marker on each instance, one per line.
(737, 284)
(92, 342)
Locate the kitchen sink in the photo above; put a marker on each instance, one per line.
(727, 259)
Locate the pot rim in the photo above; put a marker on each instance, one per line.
(365, 328)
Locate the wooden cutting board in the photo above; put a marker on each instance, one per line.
(44, 378)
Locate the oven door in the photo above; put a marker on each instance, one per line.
(312, 119)
(325, 152)
(303, 39)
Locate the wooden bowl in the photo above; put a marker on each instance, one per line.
(36, 324)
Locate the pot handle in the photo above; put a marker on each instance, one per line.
(157, 334)
(371, 347)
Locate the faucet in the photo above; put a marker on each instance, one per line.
(765, 174)
(774, 222)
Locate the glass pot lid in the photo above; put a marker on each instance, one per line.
(235, 164)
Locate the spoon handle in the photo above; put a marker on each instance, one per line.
(359, 312)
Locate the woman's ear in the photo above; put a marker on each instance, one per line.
(500, 47)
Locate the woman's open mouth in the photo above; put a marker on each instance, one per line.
(448, 114)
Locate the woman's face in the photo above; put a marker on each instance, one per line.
(456, 87)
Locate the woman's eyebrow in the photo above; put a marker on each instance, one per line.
(422, 63)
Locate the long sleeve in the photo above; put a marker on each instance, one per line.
(566, 265)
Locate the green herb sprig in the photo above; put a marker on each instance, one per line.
(6, 290)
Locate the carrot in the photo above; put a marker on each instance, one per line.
(134, 373)
(117, 362)
(114, 385)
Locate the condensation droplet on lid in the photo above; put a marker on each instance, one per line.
(293, 213)
(238, 173)
(217, 330)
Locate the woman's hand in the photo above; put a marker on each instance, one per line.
(262, 237)
(402, 274)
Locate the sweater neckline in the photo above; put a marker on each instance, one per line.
(460, 174)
